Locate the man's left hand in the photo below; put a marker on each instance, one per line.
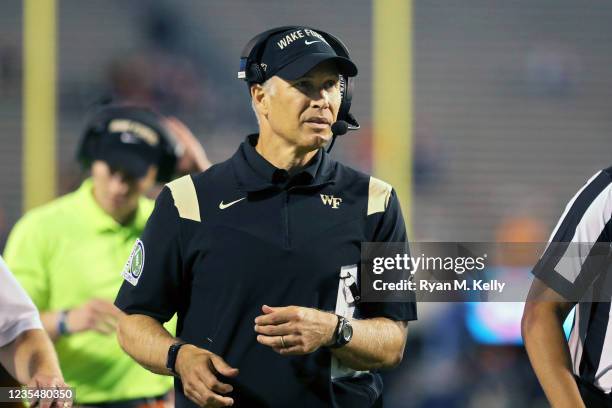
(293, 330)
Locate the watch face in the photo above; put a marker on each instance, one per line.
(347, 332)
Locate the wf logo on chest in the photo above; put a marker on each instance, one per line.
(333, 202)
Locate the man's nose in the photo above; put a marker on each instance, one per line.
(320, 99)
(119, 184)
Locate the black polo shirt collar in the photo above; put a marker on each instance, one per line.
(254, 173)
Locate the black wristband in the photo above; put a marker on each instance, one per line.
(172, 355)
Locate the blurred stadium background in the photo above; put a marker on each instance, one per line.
(509, 116)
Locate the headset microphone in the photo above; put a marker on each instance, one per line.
(338, 128)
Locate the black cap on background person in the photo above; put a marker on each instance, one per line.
(131, 139)
(129, 146)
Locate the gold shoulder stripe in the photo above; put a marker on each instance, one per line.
(185, 198)
(378, 196)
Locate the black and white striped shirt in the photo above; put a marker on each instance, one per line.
(574, 268)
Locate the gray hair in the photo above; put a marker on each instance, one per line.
(269, 88)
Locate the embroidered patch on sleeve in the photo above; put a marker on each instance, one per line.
(135, 263)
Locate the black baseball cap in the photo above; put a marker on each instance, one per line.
(129, 146)
(292, 53)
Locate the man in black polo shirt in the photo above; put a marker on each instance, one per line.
(255, 254)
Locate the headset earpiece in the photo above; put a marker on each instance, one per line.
(254, 74)
(346, 89)
(250, 71)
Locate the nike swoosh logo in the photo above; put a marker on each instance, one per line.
(127, 138)
(224, 206)
(310, 42)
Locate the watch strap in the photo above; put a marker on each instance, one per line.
(338, 338)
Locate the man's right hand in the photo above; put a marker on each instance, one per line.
(97, 314)
(198, 369)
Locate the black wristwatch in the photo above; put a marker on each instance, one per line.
(343, 333)
(172, 354)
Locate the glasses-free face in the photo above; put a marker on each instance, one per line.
(116, 192)
(301, 111)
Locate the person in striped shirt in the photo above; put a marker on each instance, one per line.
(574, 271)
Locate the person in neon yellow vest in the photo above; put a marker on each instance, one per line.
(69, 253)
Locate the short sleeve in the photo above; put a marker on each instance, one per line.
(389, 226)
(17, 312)
(578, 251)
(153, 271)
(26, 254)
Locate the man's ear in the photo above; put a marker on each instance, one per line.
(260, 100)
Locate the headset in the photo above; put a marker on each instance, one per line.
(96, 129)
(252, 73)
